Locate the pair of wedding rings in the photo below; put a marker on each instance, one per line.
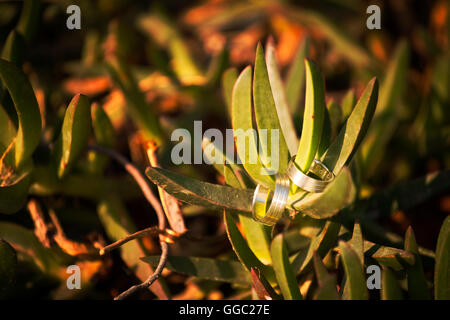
(278, 198)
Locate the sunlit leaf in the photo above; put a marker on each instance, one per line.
(244, 133)
(312, 118)
(29, 117)
(322, 243)
(353, 131)
(355, 276)
(417, 283)
(104, 136)
(74, 135)
(243, 251)
(206, 268)
(206, 194)
(283, 270)
(279, 97)
(267, 117)
(390, 288)
(296, 77)
(387, 256)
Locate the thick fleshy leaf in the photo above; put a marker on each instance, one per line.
(321, 244)
(417, 283)
(348, 103)
(14, 48)
(337, 195)
(442, 268)
(118, 224)
(206, 194)
(283, 270)
(296, 77)
(353, 131)
(257, 234)
(357, 242)
(267, 118)
(244, 134)
(335, 114)
(141, 113)
(206, 268)
(74, 135)
(8, 265)
(25, 103)
(327, 289)
(262, 287)
(243, 251)
(355, 276)
(104, 136)
(393, 258)
(390, 288)
(312, 117)
(280, 99)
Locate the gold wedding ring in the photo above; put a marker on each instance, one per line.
(307, 182)
(279, 196)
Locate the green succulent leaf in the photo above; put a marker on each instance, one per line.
(243, 251)
(442, 268)
(29, 117)
(348, 103)
(296, 77)
(327, 289)
(205, 194)
(355, 277)
(322, 243)
(283, 270)
(206, 268)
(312, 118)
(13, 50)
(352, 133)
(104, 136)
(393, 258)
(257, 234)
(74, 135)
(357, 242)
(267, 117)
(390, 288)
(280, 99)
(417, 283)
(244, 133)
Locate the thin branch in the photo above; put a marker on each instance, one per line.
(142, 182)
(152, 231)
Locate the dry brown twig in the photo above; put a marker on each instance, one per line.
(151, 198)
